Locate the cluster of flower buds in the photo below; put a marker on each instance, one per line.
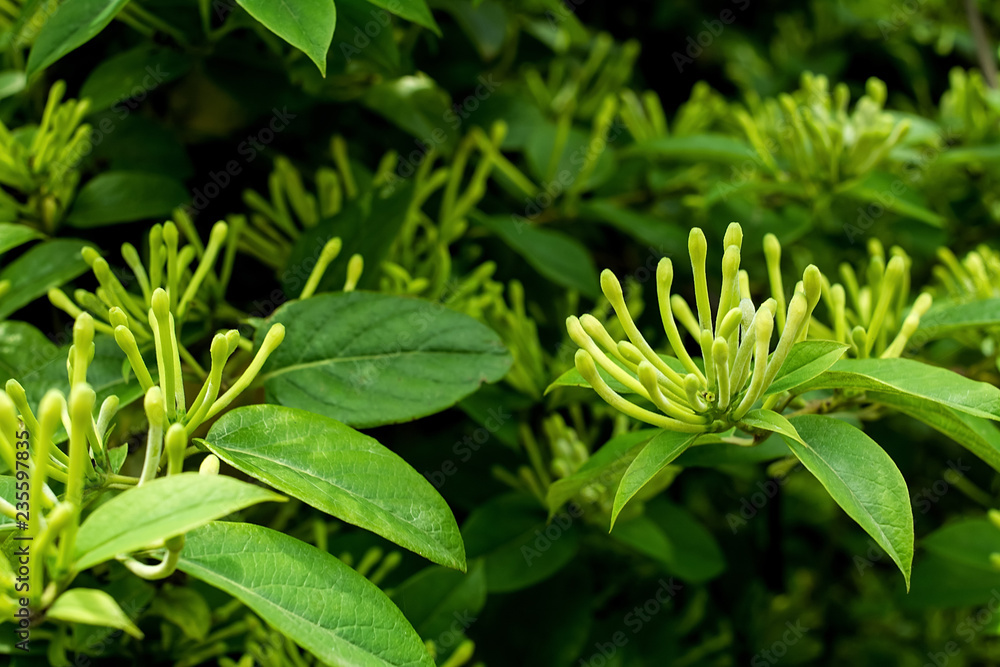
(735, 344)
(42, 164)
(975, 277)
(970, 108)
(868, 314)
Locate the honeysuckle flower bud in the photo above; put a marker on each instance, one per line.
(156, 416)
(355, 267)
(209, 465)
(772, 256)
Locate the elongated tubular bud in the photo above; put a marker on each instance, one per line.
(272, 340)
(710, 370)
(698, 249)
(798, 315)
(838, 310)
(720, 353)
(355, 267)
(83, 346)
(730, 324)
(910, 324)
(215, 240)
(634, 358)
(693, 387)
(117, 317)
(851, 285)
(131, 257)
(744, 354)
(890, 281)
(171, 240)
(772, 256)
(664, 281)
(115, 292)
(61, 300)
(729, 294)
(326, 256)
(157, 418)
(600, 335)
(157, 256)
(762, 330)
(220, 351)
(49, 413)
(812, 286)
(167, 357)
(8, 430)
(175, 441)
(613, 291)
(685, 316)
(681, 412)
(744, 284)
(858, 339)
(127, 344)
(585, 364)
(579, 336)
(81, 405)
(16, 394)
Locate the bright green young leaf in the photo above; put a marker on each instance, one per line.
(370, 359)
(306, 24)
(72, 25)
(518, 547)
(311, 596)
(912, 378)
(980, 436)
(863, 480)
(768, 420)
(651, 459)
(435, 597)
(557, 256)
(42, 267)
(12, 235)
(93, 607)
(806, 360)
(341, 472)
(952, 317)
(416, 11)
(161, 509)
(117, 196)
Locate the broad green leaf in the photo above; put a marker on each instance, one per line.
(184, 607)
(307, 25)
(12, 235)
(416, 11)
(969, 542)
(648, 463)
(863, 480)
(161, 509)
(72, 25)
(518, 547)
(662, 235)
(940, 582)
(557, 256)
(352, 42)
(713, 455)
(603, 469)
(949, 318)
(434, 598)
(11, 82)
(417, 104)
(319, 602)
(341, 472)
(912, 378)
(42, 267)
(370, 359)
(117, 196)
(697, 556)
(806, 360)
(132, 73)
(980, 436)
(93, 607)
(768, 420)
(21, 345)
(561, 172)
(879, 187)
(696, 148)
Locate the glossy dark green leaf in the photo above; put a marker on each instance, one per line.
(341, 472)
(806, 360)
(319, 602)
(697, 555)
(158, 510)
(117, 196)
(648, 463)
(863, 480)
(12, 235)
(307, 25)
(369, 359)
(435, 598)
(42, 267)
(21, 346)
(73, 24)
(416, 11)
(417, 105)
(910, 203)
(912, 378)
(560, 258)
(132, 74)
(662, 236)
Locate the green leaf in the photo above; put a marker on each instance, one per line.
(863, 480)
(20, 345)
(695, 148)
(12, 235)
(93, 607)
(131, 73)
(980, 436)
(768, 420)
(11, 82)
(517, 546)
(117, 196)
(806, 360)
(370, 359)
(662, 235)
(185, 608)
(697, 556)
(42, 267)
(341, 472)
(158, 510)
(434, 598)
(417, 105)
(949, 318)
(714, 455)
(880, 187)
(72, 25)
(604, 468)
(653, 458)
(968, 542)
(912, 378)
(307, 25)
(564, 172)
(319, 602)
(416, 11)
(560, 258)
